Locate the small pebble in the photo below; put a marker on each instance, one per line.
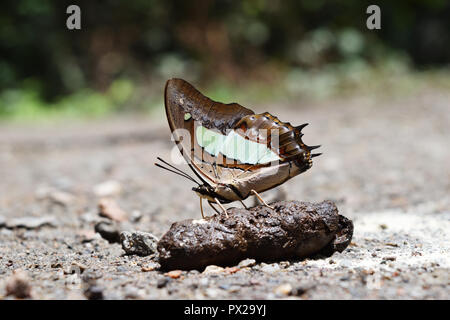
(94, 292)
(212, 269)
(87, 235)
(136, 216)
(109, 208)
(269, 268)
(390, 258)
(62, 198)
(138, 242)
(284, 289)
(247, 263)
(107, 188)
(231, 270)
(150, 267)
(56, 196)
(162, 282)
(299, 291)
(18, 285)
(147, 269)
(391, 244)
(174, 274)
(109, 231)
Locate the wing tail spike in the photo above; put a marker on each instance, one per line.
(315, 155)
(300, 127)
(310, 148)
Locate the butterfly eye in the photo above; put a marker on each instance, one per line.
(187, 116)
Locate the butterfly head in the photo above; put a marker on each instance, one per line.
(205, 191)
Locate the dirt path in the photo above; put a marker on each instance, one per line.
(386, 163)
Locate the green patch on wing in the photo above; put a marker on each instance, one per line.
(234, 146)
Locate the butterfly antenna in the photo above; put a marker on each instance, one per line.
(175, 170)
(173, 167)
(198, 176)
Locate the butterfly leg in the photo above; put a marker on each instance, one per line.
(242, 202)
(201, 207)
(215, 209)
(261, 199)
(221, 206)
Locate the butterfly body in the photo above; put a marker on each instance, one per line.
(234, 151)
(234, 189)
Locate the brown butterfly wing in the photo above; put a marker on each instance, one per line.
(281, 137)
(186, 108)
(181, 98)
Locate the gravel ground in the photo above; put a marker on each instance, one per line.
(385, 164)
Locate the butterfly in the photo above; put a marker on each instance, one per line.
(234, 152)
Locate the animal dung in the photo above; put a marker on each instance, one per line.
(291, 230)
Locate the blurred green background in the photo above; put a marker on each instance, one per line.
(261, 50)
